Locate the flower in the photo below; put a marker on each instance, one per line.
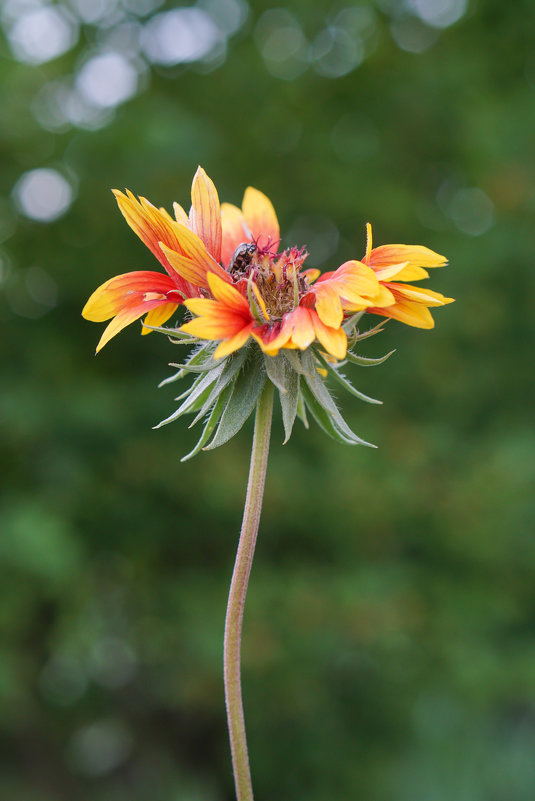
(405, 263)
(223, 264)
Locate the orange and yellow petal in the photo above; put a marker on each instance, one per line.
(152, 225)
(419, 294)
(260, 216)
(158, 316)
(233, 343)
(234, 231)
(352, 287)
(180, 215)
(124, 291)
(334, 340)
(205, 213)
(302, 327)
(193, 262)
(413, 255)
(408, 312)
(228, 295)
(128, 315)
(271, 336)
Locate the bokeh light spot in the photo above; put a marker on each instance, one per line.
(282, 43)
(43, 194)
(335, 53)
(179, 37)
(410, 34)
(439, 13)
(107, 79)
(99, 748)
(42, 34)
(472, 211)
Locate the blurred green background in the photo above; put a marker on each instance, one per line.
(389, 651)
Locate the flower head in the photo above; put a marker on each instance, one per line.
(247, 297)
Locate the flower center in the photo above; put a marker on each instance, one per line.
(277, 276)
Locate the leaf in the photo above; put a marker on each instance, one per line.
(232, 366)
(294, 359)
(302, 410)
(286, 379)
(351, 322)
(277, 369)
(326, 402)
(195, 358)
(289, 401)
(371, 332)
(194, 396)
(172, 333)
(241, 403)
(363, 361)
(331, 425)
(347, 384)
(211, 423)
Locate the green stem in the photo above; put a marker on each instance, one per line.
(238, 591)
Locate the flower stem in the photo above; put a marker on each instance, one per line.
(238, 591)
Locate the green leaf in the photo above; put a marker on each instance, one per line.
(347, 384)
(371, 332)
(331, 424)
(196, 358)
(232, 366)
(302, 410)
(245, 393)
(326, 402)
(277, 369)
(294, 358)
(351, 322)
(289, 401)
(195, 396)
(363, 361)
(211, 423)
(172, 333)
(286, 379)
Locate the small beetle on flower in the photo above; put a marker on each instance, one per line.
(246, 298)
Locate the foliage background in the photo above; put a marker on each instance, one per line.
(389, 650)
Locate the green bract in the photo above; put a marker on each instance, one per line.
(224, 392)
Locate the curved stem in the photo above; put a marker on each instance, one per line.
(238, 591)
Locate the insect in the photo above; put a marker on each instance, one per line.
(242, 258)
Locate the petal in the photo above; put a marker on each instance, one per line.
(420, 295)
(180, 214)
(272, 336)
(235, 231)
(334, 340)
(401, 272)
(311, 274)
(409, 312)
(329, 307)
(228, 295)
(369, 242)
(124, 318)
(159, 316)
(215, 327)
(193, 249)
(414, 255)
(123, 291)
(187, 269)
(234, 343)
(260, 216)
(151, 225)
(300, 321)
(205, 213)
